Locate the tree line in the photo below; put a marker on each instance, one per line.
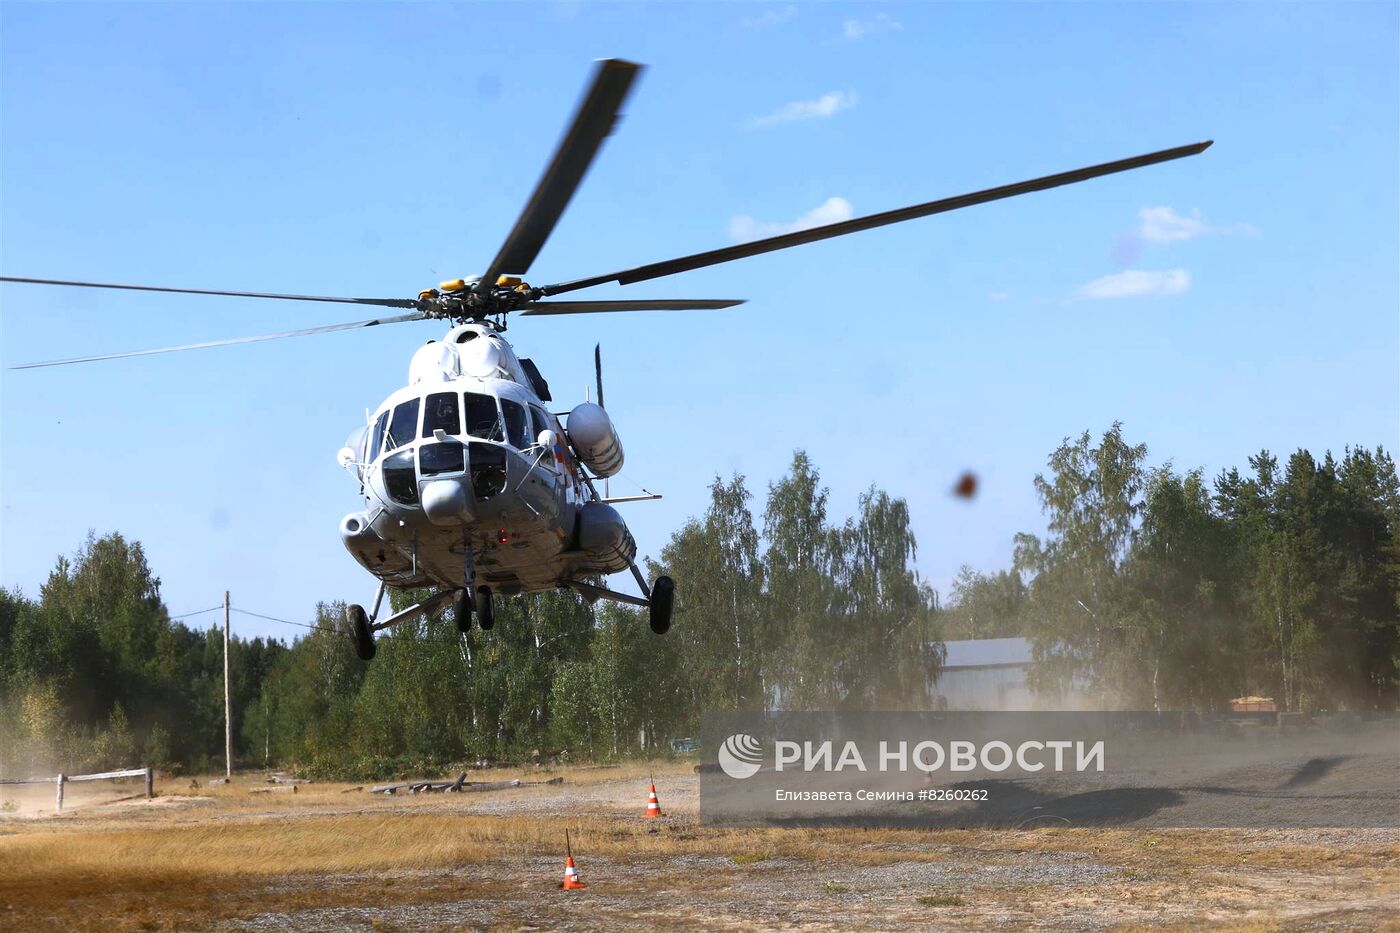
(1149, 588)
(1159, 589)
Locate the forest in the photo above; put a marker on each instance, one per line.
(1149, 587)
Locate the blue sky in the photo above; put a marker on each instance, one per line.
(1241, 299)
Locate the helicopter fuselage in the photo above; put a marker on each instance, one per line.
(468, 480)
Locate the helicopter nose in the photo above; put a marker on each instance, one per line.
(447, 501)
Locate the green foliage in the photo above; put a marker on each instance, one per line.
(94, 675)
(986, 605)
(1157, 591)
(824, 617)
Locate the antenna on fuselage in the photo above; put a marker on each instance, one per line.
(598, 374)
(598, 370)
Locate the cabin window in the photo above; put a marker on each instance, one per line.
(399, 480)
(377, 441)
(516, 423)
(488, 470)
(441, 458)
(483, 420)
(442, 414)
(403, 426)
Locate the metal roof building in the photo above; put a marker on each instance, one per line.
(993, 673)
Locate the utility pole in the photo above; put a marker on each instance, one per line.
(228, 718)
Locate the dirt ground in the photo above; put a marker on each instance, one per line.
(333, 857)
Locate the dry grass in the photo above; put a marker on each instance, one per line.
(372, 840)
(222, 852)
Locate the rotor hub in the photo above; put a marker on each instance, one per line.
(466, 300)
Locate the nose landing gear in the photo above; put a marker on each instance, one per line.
(462, 610)
(485, 608)
(465, 600)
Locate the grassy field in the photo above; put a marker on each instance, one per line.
(329, 856)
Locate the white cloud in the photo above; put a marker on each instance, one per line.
(999, 296)
(823, 108)
(773, 16)
(1165, 225)
(830, 211)
(853, 29)
(1135, 283)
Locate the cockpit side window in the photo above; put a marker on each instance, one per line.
(442, 413)
(377, 438)
(541, 423)
(403, 427)
(483, 420)
(515, 423)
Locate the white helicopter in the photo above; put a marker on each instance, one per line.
(470, 486)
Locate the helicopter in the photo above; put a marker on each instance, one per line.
(470, 487)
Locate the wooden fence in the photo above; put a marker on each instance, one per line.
(61, 779)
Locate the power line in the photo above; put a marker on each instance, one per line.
(199, 612)
(328, 628)
(258, 615)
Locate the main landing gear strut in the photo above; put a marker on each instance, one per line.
(362, 626)
(659, 601)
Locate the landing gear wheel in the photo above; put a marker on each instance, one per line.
(485, 608)
(663, 595)
(360, 632)
(462, 611)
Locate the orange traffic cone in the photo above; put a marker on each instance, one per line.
(571, 881)
(653, 805)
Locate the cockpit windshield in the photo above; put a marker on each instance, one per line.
(441, 414)
(403, 426)
(483, 416)
(483, 420)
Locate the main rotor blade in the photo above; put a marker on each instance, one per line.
(593, 121)
(642, 304)
(382, 302)
(416, 316)
(783, 241)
